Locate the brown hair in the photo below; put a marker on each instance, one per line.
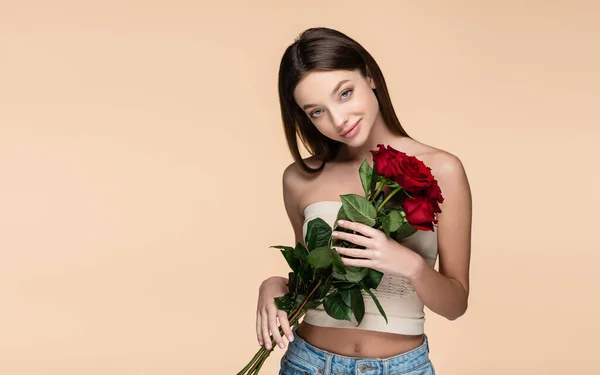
(324, 49)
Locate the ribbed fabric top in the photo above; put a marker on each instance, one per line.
(404, 309)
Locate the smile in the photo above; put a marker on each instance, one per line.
(352, 131)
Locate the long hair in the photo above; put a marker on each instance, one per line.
(325, 49)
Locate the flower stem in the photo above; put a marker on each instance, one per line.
(381, 185)
(258, 354)
(262, 354)
(294, 316)
(261, 363)
(396, 190)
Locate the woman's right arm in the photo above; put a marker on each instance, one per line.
(267, 312)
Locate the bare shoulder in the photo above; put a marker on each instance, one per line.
(450, 173)
(447, 169)
(295, 178)
(444, 165)
(294, 181)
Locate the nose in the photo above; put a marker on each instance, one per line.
(339, 118)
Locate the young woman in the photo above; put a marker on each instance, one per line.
(333, 96)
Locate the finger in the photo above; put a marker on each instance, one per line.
(259, 328)
(354, 238)
(285, 325)
(367, 263)
(265, 329)
(355, 253)
(274, 328)
(358, 227)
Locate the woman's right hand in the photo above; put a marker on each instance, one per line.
(267, 313)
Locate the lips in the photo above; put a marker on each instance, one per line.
(351, 128)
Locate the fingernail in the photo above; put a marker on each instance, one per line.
(281, 345)
(268, 346)
(291, 337)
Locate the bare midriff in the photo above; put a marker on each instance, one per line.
(351, 342)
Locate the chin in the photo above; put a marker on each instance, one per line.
(357, 141)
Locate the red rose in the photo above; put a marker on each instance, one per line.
(420, 212)
(434, 194)
(416, 179)
(414, 176)
(386, 161)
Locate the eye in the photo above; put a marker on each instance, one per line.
(312, 114)
(346, 91)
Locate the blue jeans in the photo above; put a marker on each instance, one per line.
(301, 358)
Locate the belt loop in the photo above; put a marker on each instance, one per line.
(327, 370)
(386, 366)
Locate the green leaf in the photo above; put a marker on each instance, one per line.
(304, 274)
(292, 282)
(392, 221)
(318, 233)
(320, 257)
(336, 308)
(325, 288)
(376, 302)
(313, 304)
(374, 179)
(366, 173)
(343, 284)
(404, 231)
(285, 302)
(358, 304)
(359, 209)
(281, 247)
(373, 278)
(387, 232)
(321, 273)
(346, 296)
(379, 199)
(338, 275)
(340, 216)
(338, 264)
(356, 274)
(300, 252)
(288, 254)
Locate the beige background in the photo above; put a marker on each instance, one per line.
(141, 153)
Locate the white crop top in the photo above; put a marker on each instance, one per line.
(402, 306)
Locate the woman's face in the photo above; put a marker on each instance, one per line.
(340, 103)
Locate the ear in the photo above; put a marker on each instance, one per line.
(371, 83)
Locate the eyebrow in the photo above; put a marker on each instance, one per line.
(337, 87)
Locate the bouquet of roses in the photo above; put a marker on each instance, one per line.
(318, 274)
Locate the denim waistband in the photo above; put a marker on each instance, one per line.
(332, 363)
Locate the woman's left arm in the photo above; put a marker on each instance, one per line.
(446, 292)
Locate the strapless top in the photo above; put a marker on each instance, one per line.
(403, 307)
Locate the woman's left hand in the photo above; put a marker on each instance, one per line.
(380, 253)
